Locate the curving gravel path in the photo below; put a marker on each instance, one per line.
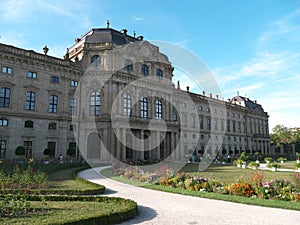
(166, 208)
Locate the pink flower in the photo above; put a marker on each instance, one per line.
(265, 184)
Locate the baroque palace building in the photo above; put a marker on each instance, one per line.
(112, 96)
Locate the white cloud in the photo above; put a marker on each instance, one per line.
(138, 18)
(272, 75)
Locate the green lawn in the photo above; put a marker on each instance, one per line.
(59, 211)
(221, 173)
(52, 212)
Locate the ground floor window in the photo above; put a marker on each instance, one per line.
(2, 148)
(129, 153)
(146, 155)
(161, 151)
(51, 147)
(28, 149)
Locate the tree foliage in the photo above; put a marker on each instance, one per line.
(284, 135)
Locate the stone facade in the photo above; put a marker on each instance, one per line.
(112, 96)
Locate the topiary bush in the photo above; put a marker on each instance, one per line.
(20, 151)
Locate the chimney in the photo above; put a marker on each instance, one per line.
(187, 89)
(203, 93)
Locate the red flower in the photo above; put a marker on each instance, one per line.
(26, 191)
(32, 169)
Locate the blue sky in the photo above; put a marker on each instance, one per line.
(251, 46)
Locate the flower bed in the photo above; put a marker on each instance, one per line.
(255, 186)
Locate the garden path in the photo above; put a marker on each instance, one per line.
(157, 207)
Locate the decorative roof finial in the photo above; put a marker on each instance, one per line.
(134, 34)
(107, 24)
(45, 49)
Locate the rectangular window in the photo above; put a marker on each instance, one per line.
(6, 70)
(74, 83)
(31, 75)
(193, 121)
(51, 147)
(4, 97)
(222, 125)
(216, 124)
(233, 126)
(208, 124)
(54, 79)
(3, 122)
(30, 101)
(228, 125)
(3, 148)
(53, 104)
(184, 120)
(73, 106)
(201, 122)
(28, 149)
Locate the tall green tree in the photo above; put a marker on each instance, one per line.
(282, 134)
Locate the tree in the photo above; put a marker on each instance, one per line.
(281, 134)
(71, 152)
(20, 151)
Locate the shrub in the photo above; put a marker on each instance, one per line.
(243, 157)
(254, 164)
(281, 159)
(273, 165)
(297, 165)
(268, 159)
(71, 152)
(20, 151)
(46, 152)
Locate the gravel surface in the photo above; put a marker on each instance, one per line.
(157, 207)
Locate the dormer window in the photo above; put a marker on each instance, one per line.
(96, 60)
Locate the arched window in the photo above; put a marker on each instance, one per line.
(4, 97)
(29, 123)
(127, 104)
(30, 100)
(52, 126)
(159, 73)
(128, 65)
(96, 60)
(145, 70)
(144, 107)
(158, 109)
(95, 103)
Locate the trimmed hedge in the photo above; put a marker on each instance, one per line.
(130, 209)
